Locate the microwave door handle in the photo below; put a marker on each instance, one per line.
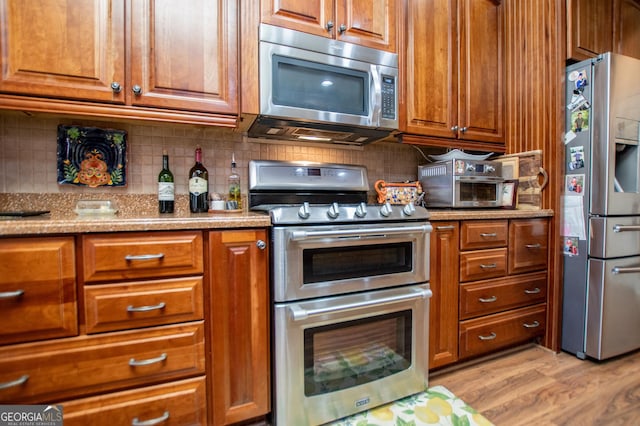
(298, 313)
(375, 87)
(304, 235)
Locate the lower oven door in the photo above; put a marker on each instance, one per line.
(314, 261)
(336, 356)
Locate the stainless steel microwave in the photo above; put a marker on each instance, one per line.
(319, 89)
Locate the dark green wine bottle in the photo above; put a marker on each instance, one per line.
(198, 186)
(166, 186)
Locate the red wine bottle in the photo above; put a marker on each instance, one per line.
(198, 186)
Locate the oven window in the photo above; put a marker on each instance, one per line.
(320, 87)
(339, 356)
(338, 263)
(478, 191)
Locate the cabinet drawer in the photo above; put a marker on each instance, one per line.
(528, 247)
(109, 257)
(67, 368)
(37, 289)
(482, 264)
(486, 334)
(110, 307)
(183, 402)
(491, 296)
(483, 234)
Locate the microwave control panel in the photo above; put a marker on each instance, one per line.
(388, 97)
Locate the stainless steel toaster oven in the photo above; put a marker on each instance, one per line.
(462, 183)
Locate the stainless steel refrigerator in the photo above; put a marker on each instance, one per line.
(601, 208)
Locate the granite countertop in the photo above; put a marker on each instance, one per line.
(139, 213)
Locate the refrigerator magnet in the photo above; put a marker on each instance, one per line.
(579, 79)
(570, 246)
(579, 121)
(576, 157)
(574, 184)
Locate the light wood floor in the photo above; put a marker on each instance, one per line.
(535, 386)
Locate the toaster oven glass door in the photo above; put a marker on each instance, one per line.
(478, 193)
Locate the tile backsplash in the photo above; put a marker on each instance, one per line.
(28, 155)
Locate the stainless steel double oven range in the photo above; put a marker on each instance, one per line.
(350, 291)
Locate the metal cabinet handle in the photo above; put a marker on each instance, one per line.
(630, 270)
(534, 291)
(13, 383)
(330, 26)
(489, 234)
(116, 87)
(489, 337)
(445, 227)
(137, 90)
(144, 256)
(150, 422)
(464, 129)
(489, 266)
(135, 363)
(454, 129)
(261, 244)
(11, 294)
(342, 28)
(487, 299)
(623, 228)
(147, 308)
(533, 246)
(533, 325)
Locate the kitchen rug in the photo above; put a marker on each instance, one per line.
(434, 406)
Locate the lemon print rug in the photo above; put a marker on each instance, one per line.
(434, 406)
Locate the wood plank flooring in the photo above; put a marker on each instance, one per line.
(535, 386)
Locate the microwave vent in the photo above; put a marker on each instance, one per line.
(432, 171)
(335, 136)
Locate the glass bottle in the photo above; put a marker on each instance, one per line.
(235, 196)
(166, 186)
(198, 185)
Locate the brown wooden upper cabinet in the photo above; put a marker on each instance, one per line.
(142, 53)
(454, 70)
(599, 26)
(370, 23)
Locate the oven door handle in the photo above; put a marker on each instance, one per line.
(304, 235)
(298, 313)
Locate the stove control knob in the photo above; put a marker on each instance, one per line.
(304, 212)
(409, 209)
(333, 211)
(361, 210)
(386, 209)
(489, 169)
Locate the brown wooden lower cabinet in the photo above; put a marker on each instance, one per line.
(182, 402)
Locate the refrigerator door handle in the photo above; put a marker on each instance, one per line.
(623, 228)
(631, 270)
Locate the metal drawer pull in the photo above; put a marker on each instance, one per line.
(150, 422)
(144, 256)
(489, 234)
(489, 266)
(132, 308)
(631, 270)
(533, 246)
(489, 337)
(623, 228)
(534, 325)
(534, 291)
(13, 383)
(445, 227)
(488, 299)
(134, 363)
(11, 294)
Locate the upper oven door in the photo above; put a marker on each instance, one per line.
(316, 261)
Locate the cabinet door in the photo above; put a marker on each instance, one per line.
(589, 28)
(71, 49)
(184, 56)
(627, 28)
(431, 65)
(367, 23)
(528, 245)
(308, 16)
(239, 318)
(443, 308)
(481, 90)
